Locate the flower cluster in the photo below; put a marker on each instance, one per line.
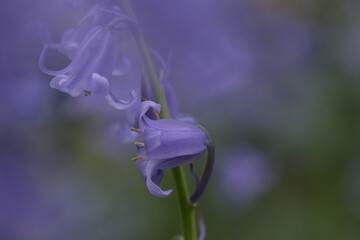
(95, 57)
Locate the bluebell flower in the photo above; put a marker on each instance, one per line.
(93, 50)
(165, 144)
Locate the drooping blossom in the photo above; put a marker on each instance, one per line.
(165, 144)
(93, 48)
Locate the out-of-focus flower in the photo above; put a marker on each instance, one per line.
(93, 48)
(100, 14)
(165, 144)
(245, 175)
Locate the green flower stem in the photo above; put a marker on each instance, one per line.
(186, 209)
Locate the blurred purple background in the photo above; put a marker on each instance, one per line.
(276, 82)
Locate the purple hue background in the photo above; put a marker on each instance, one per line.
(276, 82)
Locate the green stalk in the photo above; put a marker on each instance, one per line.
(186, 209)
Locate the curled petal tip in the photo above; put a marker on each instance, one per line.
(146, 105)
(121, 104)
(61, 83)
(156, 190)
(48, 71)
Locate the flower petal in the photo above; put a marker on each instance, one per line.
(176, 143)
(167, 164)
(156, 190)
(44, 69)
(98, 84)
(121, 104)
(152, 176)
(89, 38)
(62, 82)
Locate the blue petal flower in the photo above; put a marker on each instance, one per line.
(93, 49)
(165, 144)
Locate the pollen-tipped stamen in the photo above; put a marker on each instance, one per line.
(139, 144)
(137, 158)
(135, 130)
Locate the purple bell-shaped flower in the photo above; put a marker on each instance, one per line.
(93, 48)
(165, 144)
